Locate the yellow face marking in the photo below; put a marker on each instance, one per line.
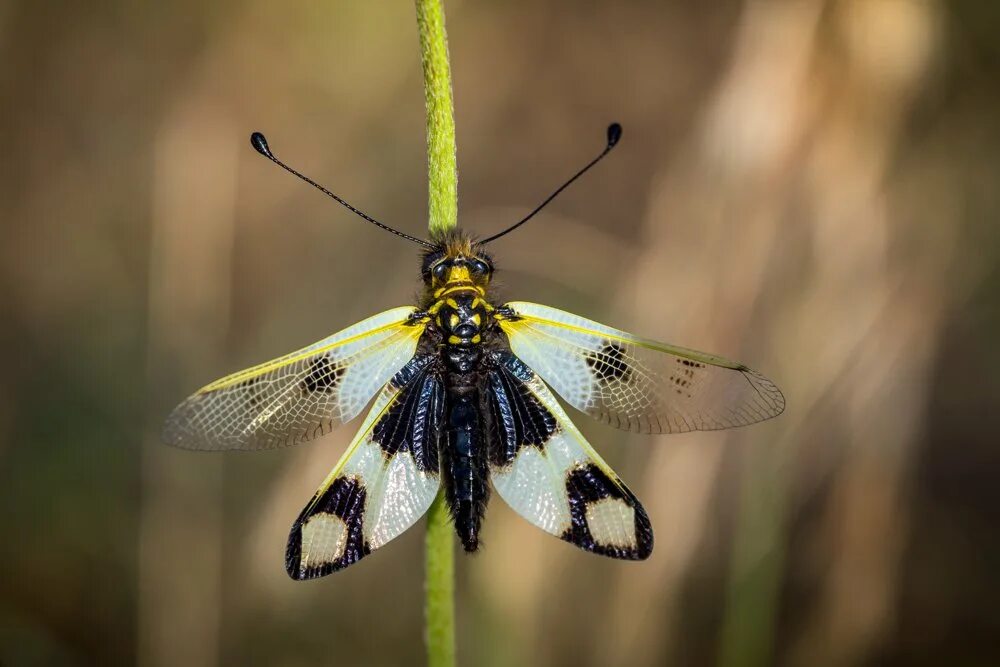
(477, 338)
(446, 290)
(453, 320)
(459, 274)
(452, 303)
(477, 318)
(454, 340)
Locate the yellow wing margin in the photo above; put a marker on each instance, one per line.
(636, 384)
(299, 396)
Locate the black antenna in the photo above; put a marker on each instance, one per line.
(614, 134)
(259, 142)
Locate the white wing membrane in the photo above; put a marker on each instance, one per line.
(636, 384)
(381, 486)
(550, 475)
(299, 396)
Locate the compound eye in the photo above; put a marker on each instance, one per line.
(479, 267)
(440, 271)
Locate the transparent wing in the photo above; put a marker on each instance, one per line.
(299, 396)
(636, 384)
(548, 473)
(383, 483)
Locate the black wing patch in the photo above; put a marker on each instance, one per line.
(334, 530)
(383, 484)
(594, 497)
(323, 376)
(517, 417)
(413, 421)
(609, 363)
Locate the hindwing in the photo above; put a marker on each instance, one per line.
(548, 473)
(636, 384)
(384, 482)
(299, 396)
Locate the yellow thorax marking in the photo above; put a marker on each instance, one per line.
(459, 279)
(455, 340)
(476, 303)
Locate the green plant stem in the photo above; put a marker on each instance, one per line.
(442, 168)
(442, 171)
(439, 587)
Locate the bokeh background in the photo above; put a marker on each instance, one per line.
(810, 186)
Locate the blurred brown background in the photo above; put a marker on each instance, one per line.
(809, 186)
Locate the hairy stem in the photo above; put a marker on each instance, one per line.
(439, 587)
(439, 584)
(441, 163)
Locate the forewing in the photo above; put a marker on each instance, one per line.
(636, 384)
(299, 396)
(548, 473)
(383, 484)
